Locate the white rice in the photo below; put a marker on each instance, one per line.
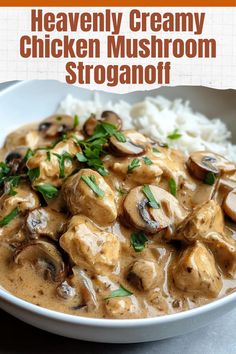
(157, 117)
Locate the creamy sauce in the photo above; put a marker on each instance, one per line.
(99, 257)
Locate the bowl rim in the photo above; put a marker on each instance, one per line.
(101, 322)
(115, 323)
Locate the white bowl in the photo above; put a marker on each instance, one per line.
(33, 100)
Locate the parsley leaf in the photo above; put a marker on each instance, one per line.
(134, 164)
(81, 157)
(61, 159)
(91, 182)
(11, 183)
(9, 217)
(120, 137)
(76, 121)
(172, 186)
(210, 178)
(47, 190)
(122, 291)
(155, 150)
(138, 240)
(148, 193)
(174, 135)
(28, 155)
(147, 161)
(33, 174)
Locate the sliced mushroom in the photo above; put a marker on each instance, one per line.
(81, 199)
(124, 307)
(196, 272)
(229, 205)
(139, 213)
(65, 291)
(201, 163)
(90, 125)
(45, 222)
(45, 257)
(145, 274)
(56, 125)
(135, 144)
(112, 118)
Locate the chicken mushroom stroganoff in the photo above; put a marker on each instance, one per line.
(107, 223)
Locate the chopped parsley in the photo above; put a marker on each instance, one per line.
(133, 164)
(61, 159)
(76, 121)
(91, 182)
(138, 241)
(147, 161)
(33, 174)
(47, 190)
(148, 193)
(172, 186)
(210, 178)
(121, 292)
(174, 135)
(81, 157)
(11, 183)
(8, 218)
(154, 149)
(120, 137)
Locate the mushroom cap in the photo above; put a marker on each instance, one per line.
(90, 125)
(229, 205)
(135, 144)
(200, 163)
(44, 256)
(112, 118)
(140, 215)
(56, 125)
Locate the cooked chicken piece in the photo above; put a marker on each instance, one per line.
(143, 173)
(56, 164)
(87, 193)
(123, 307)
(24, 137)
(25, 199)
(144, 274)
(86, 244)
(204, 219)
(195, 272)
(45, 222)
(206, 224)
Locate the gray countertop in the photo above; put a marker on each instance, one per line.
(16, 337)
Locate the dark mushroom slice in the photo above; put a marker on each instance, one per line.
(90, 125)
(139, 214)
(112, 118)
(45, 222)
(201, 163)
(15, 160)
(229, 205)
(56, 125)
(135, 144)
(45, 257)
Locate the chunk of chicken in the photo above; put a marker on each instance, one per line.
(204, 219)
(206, 224)
(25, 199)
(143, 173)
(25, 136)
(90, 247)
(145, 274)
(55, 164)
(123, 307)
(81, 198)
(195, 272)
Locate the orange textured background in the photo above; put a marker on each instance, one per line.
(117, 3)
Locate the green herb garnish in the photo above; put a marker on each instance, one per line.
(121, 292)
(33, 174)
(11, 183)
(174, 135)
(61, 159)
(133, 164)
(47, 190)
(210, 178)
(148, 193)
(147, 161)
(9, 217)
(138, 241)
(91, 182)
(172, 186)
(155, 150)
(76, 121)
(81, 157)
(121, 191)
(120, 137)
